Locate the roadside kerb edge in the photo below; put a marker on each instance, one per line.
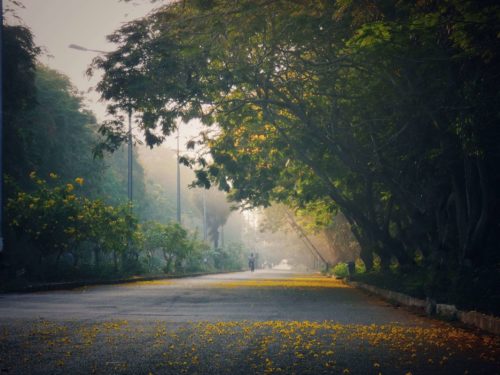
(488, 323)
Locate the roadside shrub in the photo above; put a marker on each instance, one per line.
(360, 266)
(62, 228)
(340, 270)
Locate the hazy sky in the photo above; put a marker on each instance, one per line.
(58, 23)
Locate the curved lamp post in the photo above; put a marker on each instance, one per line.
(129, 135)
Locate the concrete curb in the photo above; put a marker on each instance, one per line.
(488, 323)
(78, 284)
(485, 322)
(400, 298)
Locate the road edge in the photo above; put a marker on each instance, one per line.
(32, 288)
(488, 323)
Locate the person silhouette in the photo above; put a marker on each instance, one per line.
(251, 262)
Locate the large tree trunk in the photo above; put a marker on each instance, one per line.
(97, 256)
(366, 256)
(115, 260)
(366, 251)
(58, 257)
(471, 208)
(216, 239)
(168, 259)
(477, 229)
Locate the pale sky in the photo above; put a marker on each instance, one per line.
(58, 23)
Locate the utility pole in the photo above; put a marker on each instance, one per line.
(130, 179)
(178, 180)
(305, 238)
(130, 157)
(205, 226)
(255, 222)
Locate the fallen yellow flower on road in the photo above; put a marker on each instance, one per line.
(298, 282)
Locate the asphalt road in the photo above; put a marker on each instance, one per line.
(206, 298)
(241, 323)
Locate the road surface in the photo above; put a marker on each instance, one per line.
(266, 322)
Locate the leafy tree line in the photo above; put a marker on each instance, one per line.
(67, 214)
(386, 111)
(48, 129)
(57, 220)
(66, 229)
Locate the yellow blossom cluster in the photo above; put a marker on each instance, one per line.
(267, 347)
(295, 282)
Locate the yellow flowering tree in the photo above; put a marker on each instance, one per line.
(48, 216)
(56, 219)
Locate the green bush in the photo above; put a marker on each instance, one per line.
(340, 270)
(360, 266)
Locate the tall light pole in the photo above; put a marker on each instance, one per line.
(129, 134)
(84, 49)
(205, 224)
(130, 180)
(178, 179)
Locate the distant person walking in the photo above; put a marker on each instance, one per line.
(251, 262)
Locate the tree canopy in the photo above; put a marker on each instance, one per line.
(386, 111)
(67, 211)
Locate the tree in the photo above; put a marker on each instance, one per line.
(217, 210)
(171, 240)
(110, 229)
(50, 217)
(386, 109)
(18, 90)
(57, 219)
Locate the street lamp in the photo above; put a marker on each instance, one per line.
(129, 134)
(205, 225)
(80, 48)
(178, 182)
